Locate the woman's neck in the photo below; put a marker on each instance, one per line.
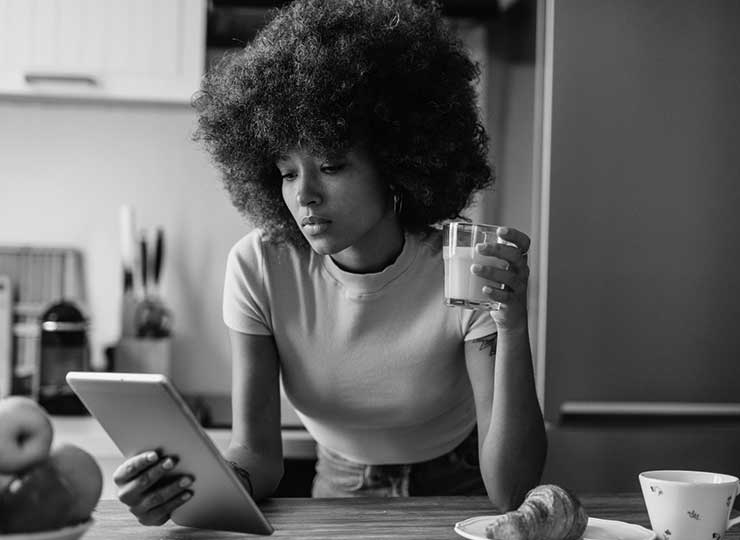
(375, 251)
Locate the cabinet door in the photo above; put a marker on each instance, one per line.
(643, 282)
(111, 49)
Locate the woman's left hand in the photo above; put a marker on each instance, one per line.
(508, 285)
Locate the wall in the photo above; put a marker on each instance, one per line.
(66, 167)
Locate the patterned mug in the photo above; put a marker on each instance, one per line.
(689, 505)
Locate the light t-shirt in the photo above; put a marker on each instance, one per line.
(374, 364)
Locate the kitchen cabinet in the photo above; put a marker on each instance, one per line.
(589, 455)
(102, 49)
(640, 287)
(637, 281)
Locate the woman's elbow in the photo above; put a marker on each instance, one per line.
(267, 482)
(505, 500)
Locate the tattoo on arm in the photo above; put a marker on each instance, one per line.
(243, 475)
(488, 342)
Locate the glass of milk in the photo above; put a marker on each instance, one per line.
(462, 287)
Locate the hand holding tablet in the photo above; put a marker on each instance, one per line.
(151, 488)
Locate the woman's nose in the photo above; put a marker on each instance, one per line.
(307, 192)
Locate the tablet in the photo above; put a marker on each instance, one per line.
(145, 412)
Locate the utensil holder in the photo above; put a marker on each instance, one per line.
(143, 355)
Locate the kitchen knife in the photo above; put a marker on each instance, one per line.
(144, 263)
(158, 258)
(127, 226)
(130, 275)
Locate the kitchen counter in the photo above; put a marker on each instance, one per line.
(414, 518)
(88, 434)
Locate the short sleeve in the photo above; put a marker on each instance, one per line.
(477, 324)
(245, 300)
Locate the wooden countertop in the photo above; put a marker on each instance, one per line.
(415, 518)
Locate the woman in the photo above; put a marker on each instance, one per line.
(347, 131)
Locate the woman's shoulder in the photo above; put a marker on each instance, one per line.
(248, 246)
(430, 239)
(257, 245)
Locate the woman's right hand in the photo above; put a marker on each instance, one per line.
(147, 485)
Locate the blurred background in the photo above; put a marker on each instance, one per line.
(613, 124)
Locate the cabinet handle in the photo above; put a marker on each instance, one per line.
(652, 408)
(40, 78)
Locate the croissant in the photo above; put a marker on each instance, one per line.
(549, 512)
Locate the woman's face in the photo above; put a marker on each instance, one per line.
(341, 206)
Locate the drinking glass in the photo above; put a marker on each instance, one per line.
(462, 288)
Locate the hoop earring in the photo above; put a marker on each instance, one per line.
(397, 202)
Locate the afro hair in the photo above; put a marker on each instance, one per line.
(329, 75)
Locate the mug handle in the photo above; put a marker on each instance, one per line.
(735, 521)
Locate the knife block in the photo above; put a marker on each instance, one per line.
(143, 355)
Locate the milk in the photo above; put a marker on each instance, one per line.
(462, 287)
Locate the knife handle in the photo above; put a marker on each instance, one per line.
(142, 244)
(158, 255)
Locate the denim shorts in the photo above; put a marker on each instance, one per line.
(454, 473)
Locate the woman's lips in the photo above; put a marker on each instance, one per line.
(314, 225)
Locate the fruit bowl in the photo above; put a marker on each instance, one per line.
(65, 533)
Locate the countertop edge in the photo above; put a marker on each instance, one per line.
(87, 433)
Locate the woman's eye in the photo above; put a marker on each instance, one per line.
(287, 175)
(332, 168)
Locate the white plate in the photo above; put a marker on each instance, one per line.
(65, 533)
(597, 529)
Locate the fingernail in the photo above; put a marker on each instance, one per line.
(474, 268)
(487, 289)
(185, 496)
(168, 464)
(185, 481)
(151, 457)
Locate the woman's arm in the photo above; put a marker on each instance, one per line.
(511, 431)
(256, 443)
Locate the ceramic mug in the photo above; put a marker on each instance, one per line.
(689, 505)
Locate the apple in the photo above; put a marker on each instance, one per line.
(36, 500)
(84, 478)
(25, 434)
(62, 490)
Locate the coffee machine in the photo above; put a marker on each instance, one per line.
(63, 347)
